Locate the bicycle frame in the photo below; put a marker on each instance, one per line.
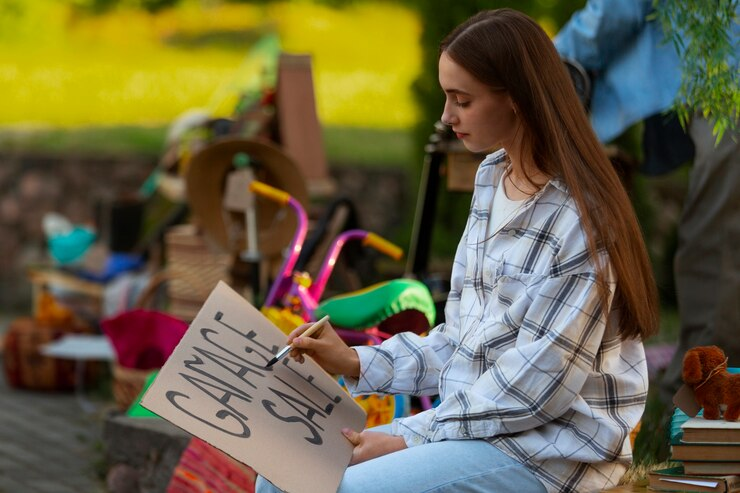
(298, 289)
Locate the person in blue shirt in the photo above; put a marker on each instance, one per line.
(636, 77)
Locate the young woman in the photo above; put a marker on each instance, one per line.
(539, 366)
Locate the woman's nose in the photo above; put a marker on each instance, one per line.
(448, 117)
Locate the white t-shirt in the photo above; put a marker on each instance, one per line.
(503, 209)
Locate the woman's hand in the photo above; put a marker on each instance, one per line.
(372, 444)
(327, 349)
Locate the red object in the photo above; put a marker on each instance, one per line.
(27, 368)
(143, 339)
(268, 97)
(203, 468)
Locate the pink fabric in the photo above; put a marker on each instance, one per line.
(143, 339)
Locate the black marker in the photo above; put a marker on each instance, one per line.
(308, 332)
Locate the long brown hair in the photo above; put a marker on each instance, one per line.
(506, 48)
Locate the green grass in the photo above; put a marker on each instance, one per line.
(105, 140)
(369, 147)
(345, 146)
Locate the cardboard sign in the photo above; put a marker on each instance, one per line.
(237, 196)
(285, 421)
(685, 400)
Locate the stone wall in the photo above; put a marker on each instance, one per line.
(33, 185)
(382, 197)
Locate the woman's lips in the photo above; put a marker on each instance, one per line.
(460, 135)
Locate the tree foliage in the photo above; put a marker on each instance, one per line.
(701, 32)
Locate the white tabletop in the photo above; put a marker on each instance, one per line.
(80, 347)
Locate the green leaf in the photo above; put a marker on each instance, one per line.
(710, 85)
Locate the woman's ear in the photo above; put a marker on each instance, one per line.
(513, 107)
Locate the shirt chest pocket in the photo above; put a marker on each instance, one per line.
(499, 259)
(511, 301)
(500, 274)
(491, 272)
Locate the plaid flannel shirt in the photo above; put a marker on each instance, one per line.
(524, 359)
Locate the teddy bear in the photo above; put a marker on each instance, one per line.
(705, 371)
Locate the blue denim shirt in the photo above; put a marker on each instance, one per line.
(637, 73)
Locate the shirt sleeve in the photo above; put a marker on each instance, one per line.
(404, 364)
(532, 383)
(595, 33)
(409, 364)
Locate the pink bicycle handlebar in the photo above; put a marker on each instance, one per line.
(285, 281)
(368, 239)
(282, 284)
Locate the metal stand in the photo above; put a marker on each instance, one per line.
(436, 152)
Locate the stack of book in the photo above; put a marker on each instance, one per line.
(709, 453)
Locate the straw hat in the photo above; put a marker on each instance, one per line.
(205, 181)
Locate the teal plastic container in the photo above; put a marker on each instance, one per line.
(69, 248)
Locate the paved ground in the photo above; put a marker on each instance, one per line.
(47, 443)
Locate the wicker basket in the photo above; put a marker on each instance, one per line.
(27, 368)
(127, 385)
(194, 267)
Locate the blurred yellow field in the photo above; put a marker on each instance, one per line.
(128, 67)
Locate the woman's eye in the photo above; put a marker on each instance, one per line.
(462, 104)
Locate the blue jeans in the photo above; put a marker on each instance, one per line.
(473, 466)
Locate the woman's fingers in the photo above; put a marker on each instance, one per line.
(355, 439)
(369, 444)
(296, 355)
(301, 345)
(304, 343)
(352, 436)
(327, 349)
(297, 332)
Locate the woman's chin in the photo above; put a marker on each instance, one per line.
(473, 147)
(478, 148)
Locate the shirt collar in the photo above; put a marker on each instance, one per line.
(499, 156)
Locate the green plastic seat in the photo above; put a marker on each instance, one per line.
(136, 410)
(376, 305)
